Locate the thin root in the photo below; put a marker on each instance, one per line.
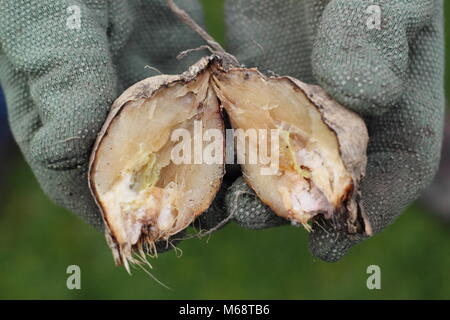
(184, 53)
(153, 68)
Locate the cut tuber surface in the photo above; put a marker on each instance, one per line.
(145, 197)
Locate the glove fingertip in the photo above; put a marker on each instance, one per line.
(366, 87)
(330, 245)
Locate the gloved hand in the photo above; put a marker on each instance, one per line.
(61, 67)
(390, 73)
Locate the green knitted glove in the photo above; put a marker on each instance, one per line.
(62, 64)
(384, 60)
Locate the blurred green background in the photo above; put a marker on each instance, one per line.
(39, 240)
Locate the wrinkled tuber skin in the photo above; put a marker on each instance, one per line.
(344, 130)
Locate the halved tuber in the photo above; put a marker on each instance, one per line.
(317, 151)
(143, 195)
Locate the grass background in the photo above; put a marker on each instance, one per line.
(38, 240)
